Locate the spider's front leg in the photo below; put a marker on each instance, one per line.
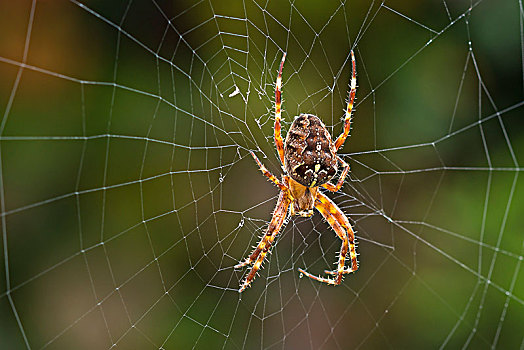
(278, 112)
(352, 92)
(340, 224)
(258, 255)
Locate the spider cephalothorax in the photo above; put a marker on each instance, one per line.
(310, 160)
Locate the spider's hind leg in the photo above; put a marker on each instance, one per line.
(340, 224)
(257, 257)
(345, 271)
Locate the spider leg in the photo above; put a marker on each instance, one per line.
(334, 188)
(258, 255)
(341, 218)
(278, 112)
(340, 224)
(266, 172)
(347, 121)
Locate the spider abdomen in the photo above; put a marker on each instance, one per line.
(310, 154)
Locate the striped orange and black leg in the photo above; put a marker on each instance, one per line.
(341, 226)
(266, 172)
(279, 143)
(257, 257)
(339, 216)
(353, 89)
(334, 188)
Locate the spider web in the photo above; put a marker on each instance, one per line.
(128, 193)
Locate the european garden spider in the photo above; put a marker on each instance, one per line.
(310, 160)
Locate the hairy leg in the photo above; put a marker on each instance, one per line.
(347, 120)
(266, 172)
(334, 188)
(278, 112)
(340, 224)
(257, 257)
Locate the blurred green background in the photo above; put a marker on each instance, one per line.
(128, 193)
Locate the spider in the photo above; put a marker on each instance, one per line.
(310, 160)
